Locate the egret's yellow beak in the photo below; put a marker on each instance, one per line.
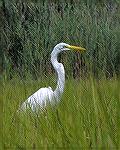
(77, 48)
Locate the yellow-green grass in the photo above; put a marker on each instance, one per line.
(88, 116)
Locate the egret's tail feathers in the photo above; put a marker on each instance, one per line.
(22, 108)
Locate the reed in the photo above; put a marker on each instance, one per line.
(31, 29)
(86, 117)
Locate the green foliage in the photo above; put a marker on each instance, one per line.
(88, 113)
(30, 29)
(86, 117)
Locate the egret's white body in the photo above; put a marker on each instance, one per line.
(46, 95)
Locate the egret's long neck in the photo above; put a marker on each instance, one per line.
(60, 74)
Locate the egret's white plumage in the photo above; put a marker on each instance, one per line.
(46, 95)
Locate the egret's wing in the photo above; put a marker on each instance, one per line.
(38, 99)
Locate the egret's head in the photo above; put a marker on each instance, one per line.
(65, 47)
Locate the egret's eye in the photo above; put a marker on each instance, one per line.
(64, 47)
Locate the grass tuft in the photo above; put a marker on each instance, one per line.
(86, 117)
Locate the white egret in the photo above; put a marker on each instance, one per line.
(46, 95)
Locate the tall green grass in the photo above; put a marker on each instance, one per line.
(86, 117)
(88, 113)
(31, 29)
